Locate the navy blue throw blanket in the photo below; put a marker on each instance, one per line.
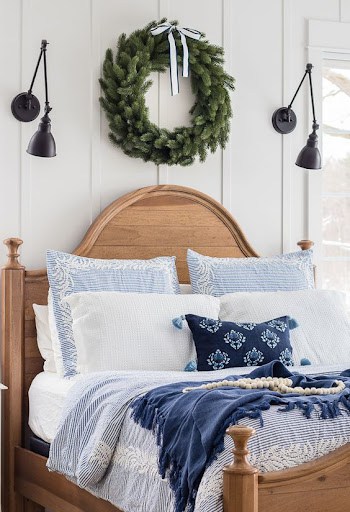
(190, 427)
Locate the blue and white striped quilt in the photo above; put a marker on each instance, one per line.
(99, 447)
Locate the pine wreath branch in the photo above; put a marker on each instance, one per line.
(125, 81)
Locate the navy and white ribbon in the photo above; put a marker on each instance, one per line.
(184, 32)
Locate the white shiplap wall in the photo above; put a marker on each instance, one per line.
(51, 202)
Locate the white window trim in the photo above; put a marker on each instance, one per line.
(328, 40)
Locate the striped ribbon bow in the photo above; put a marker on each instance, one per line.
(184, 32)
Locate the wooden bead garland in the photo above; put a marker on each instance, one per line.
(278, 384)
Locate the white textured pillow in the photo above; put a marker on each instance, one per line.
(131, 331)
(44, 337)
(323, 335)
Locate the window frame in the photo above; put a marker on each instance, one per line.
(327, 41)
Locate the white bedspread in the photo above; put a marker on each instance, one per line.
(131, 481)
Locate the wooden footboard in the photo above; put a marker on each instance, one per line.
(51, 490)
(240, 479)
(322, 485)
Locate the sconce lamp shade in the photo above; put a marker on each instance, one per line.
(310, 156)
(42, 143)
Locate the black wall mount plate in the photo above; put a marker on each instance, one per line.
(25, 108)
(284, 120)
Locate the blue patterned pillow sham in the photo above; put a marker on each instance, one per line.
(222, 344)
(68, 274)
(218, 276)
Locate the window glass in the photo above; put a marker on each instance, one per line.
(336, 177)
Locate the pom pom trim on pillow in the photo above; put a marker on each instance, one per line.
(221, 344)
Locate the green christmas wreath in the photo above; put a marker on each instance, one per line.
(126, 80)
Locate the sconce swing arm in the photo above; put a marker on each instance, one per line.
(25, 106)
(284, 121)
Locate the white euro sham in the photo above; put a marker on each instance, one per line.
(323, 335)
(131, 331)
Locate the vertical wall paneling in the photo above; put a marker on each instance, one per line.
(297, 56)
(29, 56)
(119, 173)
(95, 112)
(227, 152)
(344, 8)
(51, 202)
(206, 17)
(314, 184)
(10, 85)
(256, 181)
(287, 85)
(56, 208)
(163, 175)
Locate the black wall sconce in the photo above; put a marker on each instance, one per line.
(284, 121)
(26, 107)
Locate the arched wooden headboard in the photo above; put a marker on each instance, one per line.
(153, 221)
(164, 220)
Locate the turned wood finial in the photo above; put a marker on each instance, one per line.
(13, 254)
(240, 436)
(305, 244)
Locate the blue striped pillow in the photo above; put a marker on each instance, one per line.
(68, 274)
(218, 276)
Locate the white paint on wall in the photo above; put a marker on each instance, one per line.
(295, 57)
(51, 202)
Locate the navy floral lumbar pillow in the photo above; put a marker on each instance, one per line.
(222, 344)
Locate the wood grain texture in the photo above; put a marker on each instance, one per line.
(305, 244)
(155, 221)
(240, 479)
(35, 482)
(165, 220)
(30, 506)
(180, 203)
(13, 245)
(322, 485)
(36, 291)
(12, 370)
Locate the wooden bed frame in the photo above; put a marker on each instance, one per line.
(154, 221)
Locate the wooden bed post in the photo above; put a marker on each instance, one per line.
(240, 478)
(12, 368)
(305, 244)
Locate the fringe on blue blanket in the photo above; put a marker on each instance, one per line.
(152, 413)
(151, 419)
(327, 409)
